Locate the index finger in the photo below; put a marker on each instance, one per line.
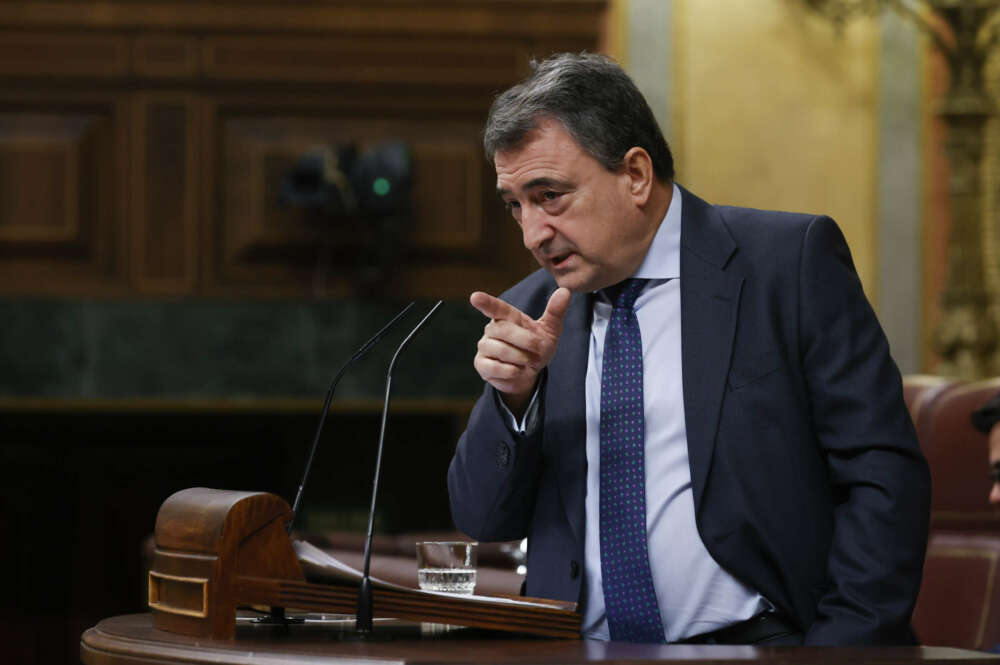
(497, 309)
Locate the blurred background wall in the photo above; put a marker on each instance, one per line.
(771, 105)
(170, 314)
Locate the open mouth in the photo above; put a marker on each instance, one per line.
(559, 260)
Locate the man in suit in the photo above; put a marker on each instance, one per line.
(690, 411)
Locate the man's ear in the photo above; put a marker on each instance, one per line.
(638, 168)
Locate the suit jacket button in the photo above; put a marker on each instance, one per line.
(574, 570)
(503, 455)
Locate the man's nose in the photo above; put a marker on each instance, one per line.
(535, 228)
(995, 494)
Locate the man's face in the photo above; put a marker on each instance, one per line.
(580, 221)
(995, 463)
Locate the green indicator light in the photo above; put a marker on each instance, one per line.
(380, 186)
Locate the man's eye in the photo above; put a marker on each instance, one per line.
(551, 196)
(514, 209)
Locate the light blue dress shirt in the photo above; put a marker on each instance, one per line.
(694, 593)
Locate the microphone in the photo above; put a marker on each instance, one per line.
(363, 616)
(358, 355)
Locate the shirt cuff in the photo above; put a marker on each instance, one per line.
(529, 422)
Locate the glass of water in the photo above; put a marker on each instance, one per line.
(447, 566)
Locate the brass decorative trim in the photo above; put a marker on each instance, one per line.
(154, 594)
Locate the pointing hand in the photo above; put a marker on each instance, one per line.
(515, 348)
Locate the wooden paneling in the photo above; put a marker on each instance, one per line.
(60, 197)
(52, 54)
(261, 241)
(165, 56)
(164, 186)
(39, 188)
(521, 19)
(379, 60)
(449, 217)
(142, 144)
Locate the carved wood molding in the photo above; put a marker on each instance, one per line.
(62, 193)
(521, 19)
(169, 187)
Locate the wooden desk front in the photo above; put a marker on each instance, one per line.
(132, 640)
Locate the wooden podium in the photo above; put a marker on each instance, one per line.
(133, 640)
(216, 550)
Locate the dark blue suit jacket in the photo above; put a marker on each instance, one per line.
(808, 482)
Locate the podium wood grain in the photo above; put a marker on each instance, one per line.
(216, 550)
(132, 640)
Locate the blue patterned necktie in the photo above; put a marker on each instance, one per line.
(629, 599)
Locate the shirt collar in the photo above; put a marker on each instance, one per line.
(663, 260)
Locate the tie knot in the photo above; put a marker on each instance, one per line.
(623, 294)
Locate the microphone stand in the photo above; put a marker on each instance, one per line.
(277, 614)
(363, 616)
(358, 355)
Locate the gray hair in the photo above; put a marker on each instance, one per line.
(595, 101)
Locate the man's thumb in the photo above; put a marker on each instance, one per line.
(555, 311)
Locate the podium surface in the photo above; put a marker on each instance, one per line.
(133, 640)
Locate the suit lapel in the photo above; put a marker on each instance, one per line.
(710, 297)
(565, 413)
